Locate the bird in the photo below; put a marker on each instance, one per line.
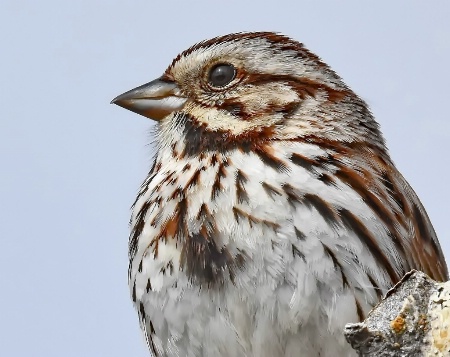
(273, 213)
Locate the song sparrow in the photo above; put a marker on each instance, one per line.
(273, 214)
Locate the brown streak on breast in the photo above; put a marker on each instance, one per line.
(240, 214)
(337, 265)
(271, 190)
(267, 155)
(355, 225)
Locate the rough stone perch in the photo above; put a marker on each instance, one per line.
(412, 320)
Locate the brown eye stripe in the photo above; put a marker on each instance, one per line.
(303, 86)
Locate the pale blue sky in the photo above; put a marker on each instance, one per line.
(72, 163)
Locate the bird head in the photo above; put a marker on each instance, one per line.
(248, 87)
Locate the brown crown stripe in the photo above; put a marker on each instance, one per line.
(336, 265)
(354, 224)
(276, 40)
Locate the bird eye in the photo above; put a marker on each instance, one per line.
(221, 74)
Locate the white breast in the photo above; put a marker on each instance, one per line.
(291, 295)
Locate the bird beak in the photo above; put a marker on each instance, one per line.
(154, 100)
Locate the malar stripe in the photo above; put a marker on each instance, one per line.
(354, 224)
(202, 140)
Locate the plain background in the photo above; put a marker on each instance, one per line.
(71, 163)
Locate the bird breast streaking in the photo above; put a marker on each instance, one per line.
(272, 214)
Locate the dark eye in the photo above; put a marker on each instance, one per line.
(221, 74)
